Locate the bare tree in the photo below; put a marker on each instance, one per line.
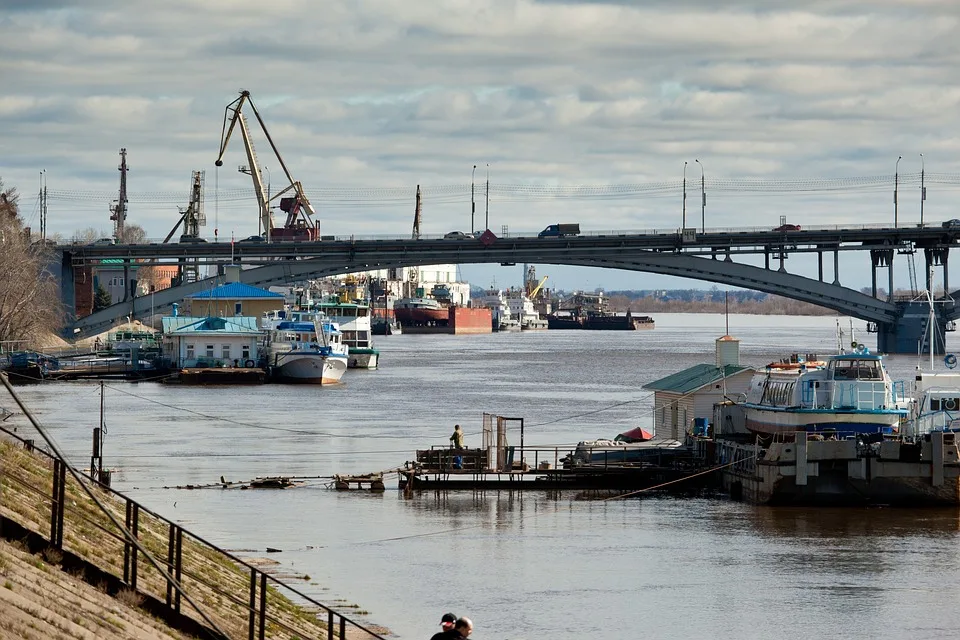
(29, 301)
(133, 234)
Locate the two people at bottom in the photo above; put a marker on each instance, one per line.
(454, 628)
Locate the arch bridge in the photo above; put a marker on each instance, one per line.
(900, 324)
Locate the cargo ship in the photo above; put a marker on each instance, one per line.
(589, 311)
(456, 321)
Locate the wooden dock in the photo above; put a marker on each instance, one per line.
(370, 482)
(470, 469)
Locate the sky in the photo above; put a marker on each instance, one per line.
(581, 111)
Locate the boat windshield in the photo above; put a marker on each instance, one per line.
(856, 370)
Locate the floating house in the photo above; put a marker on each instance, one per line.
(686, 399)
(211, 342)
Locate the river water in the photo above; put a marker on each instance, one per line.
(530, 565)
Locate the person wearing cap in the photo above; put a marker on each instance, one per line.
(447, 623)
(462, 628)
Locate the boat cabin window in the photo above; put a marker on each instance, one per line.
(856, 370)
(944, 404)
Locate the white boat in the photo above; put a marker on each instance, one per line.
(300, 350)
(604, 452)
(353, 319)
(936, 405)
(501, 316)
(521, 308)
(848, 394)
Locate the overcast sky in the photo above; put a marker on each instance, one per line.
(362, 95)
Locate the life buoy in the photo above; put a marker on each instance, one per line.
(950, 404)
(950, 360)
(249, 364)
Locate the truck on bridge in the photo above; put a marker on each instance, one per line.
(560, 230)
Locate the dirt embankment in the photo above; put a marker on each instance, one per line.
(39, 601)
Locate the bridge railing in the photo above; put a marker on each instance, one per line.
(532, 233)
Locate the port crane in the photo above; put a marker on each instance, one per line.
(299, 225)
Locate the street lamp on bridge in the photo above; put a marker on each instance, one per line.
(683, 220)
(473, 203)
(703, 200)
(896, 184)
(923, 191)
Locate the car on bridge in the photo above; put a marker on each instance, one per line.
(788, 227)
(191, 239)
(456, 235)
(952, 224)
(102, 241)
(252, 239)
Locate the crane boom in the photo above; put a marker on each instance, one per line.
(536, 290)
(299, 224)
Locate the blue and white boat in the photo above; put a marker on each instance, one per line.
(306, 351)
(848, 394)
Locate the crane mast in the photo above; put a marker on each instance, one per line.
(299, 224)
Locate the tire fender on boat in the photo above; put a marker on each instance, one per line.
(249, 364)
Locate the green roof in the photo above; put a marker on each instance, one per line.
(181, 325)
(696, 377)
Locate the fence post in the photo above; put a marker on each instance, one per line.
(329, 624)
(56, 505)
(253, 604)
(263, 605)
(178, 562)
(343, 628)
(171, 546)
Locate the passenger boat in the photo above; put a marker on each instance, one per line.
(309, 352)
(353, 318)
(936, 405)
(848, 394)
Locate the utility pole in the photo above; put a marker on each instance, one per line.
(683, 222)
(417, 214)
(487, 222)
(703, 199)
(473, 204)
(896, 184)
(43, 204)
(119, 212)
(923, 190)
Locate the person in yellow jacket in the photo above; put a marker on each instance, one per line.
(456, 440)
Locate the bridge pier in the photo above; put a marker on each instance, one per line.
(881, 259)
(911, 333)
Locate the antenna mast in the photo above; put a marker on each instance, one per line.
(118, 212)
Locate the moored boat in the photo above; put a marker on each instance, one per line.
(847, 394)
(353, 318)
(307, 352)
(419, 312)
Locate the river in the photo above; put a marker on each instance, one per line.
(522, 566)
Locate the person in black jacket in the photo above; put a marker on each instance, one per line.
(462, 628)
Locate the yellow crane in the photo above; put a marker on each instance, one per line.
(536, 289)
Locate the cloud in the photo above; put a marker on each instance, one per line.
(383, 93)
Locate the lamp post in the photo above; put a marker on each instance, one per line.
(473, 204)
(487, 220)
(683, 220)
(703, 200)
(896, 184)
(923, 193)
(269, 180)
